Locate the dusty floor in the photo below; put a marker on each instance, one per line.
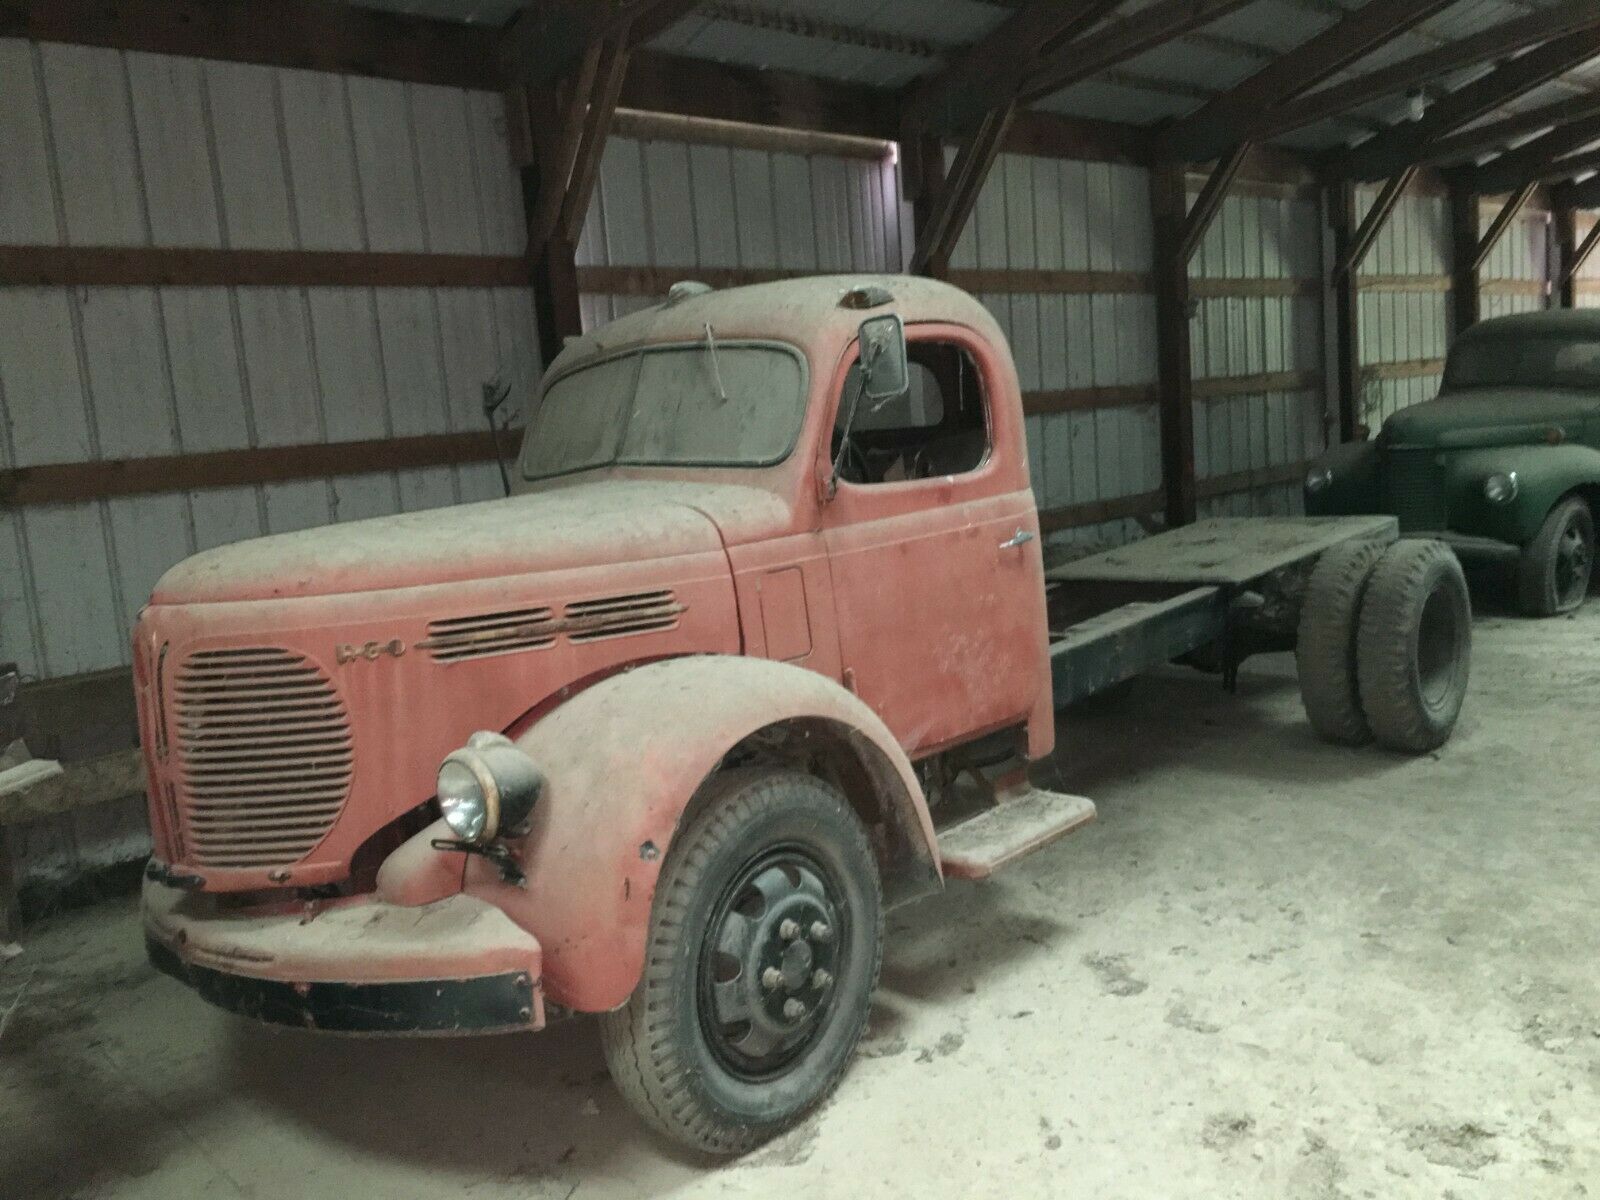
(1272, 969)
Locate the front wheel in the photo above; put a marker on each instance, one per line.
(765, 941)
(1553, 574)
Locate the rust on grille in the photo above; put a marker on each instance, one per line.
(264, 756)
(485, 634)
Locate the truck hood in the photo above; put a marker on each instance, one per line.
(587, 524)
(1489, 416)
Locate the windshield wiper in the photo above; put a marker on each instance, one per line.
(716, 369)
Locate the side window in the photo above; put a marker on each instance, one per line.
(938, 426)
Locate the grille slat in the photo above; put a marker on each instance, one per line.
(264, 756)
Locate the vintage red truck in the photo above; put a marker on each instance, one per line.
(661, 735)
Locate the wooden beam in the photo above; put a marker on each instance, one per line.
(1218, 387)
(1231, 117)
(982, 76)
(1340, 205)
(1169, 205)
(1055, 135)
(1255, 289)
(75, 483)
(1121, 40)
(1050, 282)
(937, 240)
(1578, 195)
(302, 34)
(1098, 512)
(1564, 229)
(1234, 482)
(1502, 222)
(1484, 46)
(609, 76)
(1382, 207)
(1401, 145)
(1494, 135)
(146, 266)
(549, 38)
(1090, 399)
(1573, 263)
(1465, 234)
(1538, 159)
(1412, 368)
(1209, 202)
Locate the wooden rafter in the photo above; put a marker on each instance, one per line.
(948, 213)
(1578, 195)
(1233, 116)
(1400, 145)
(548, 38)
(1475, 48)
(1492, 135)
(1120, 40)
(1550, 156)
(1209, 202)
(1169, 210)
(1502, 222)
(1367, 233)
(1580, 253)
(987, 73)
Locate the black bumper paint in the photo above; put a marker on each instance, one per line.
(481, 1005)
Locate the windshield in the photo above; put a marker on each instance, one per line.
(708, 403)
(1560, 362)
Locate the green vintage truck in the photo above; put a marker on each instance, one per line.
(1504, 464)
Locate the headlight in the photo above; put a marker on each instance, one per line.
(1319, 478)
(1501, 489)
(487, 788)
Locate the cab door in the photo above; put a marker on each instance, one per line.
(932, 539)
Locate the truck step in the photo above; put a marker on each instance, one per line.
(1021, 823)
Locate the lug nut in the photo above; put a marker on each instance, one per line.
(793, 1009)
(820, 979)
(789, 929)
(771, 979)
(821, 932)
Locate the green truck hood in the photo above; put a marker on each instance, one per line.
(1490, 416)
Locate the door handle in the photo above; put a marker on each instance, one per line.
(1020, 538)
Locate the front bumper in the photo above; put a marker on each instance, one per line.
(455, 966)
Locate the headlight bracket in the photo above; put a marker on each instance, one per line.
(496, 852)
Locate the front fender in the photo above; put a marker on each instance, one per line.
(1544, 475)
(622, 761)
(1354, 489)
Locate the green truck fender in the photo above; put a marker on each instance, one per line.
(1353, 486)
(1544, 474)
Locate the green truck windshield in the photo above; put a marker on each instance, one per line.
(1558, 362)
(729, 405)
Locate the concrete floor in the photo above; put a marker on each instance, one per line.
(1273, 968)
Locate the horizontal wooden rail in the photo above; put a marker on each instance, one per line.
(73, 483)
(1253, 288)
(1096, 512)
(1089, 399)
(1513, 287)
(1415, 368)
(148, 266)
(657, 281)
(1220, 386)
(1404, 283)
(1041, 282)
(1234, 482)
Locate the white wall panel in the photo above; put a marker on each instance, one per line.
(108, 148)
(1404, 326)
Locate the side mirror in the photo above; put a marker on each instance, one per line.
(884, 374)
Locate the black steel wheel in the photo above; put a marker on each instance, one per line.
(765, 942)
(1554, 572)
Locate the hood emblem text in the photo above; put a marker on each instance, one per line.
(348, 652)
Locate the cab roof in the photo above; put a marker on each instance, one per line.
(1572, 322)
(807, 312)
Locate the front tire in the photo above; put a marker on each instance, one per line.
(765, 941)
(1553, 574)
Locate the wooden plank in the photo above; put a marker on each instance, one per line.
(1404, 283)
(67, 483)
(1253, 289)
(303, 34)
(1089, 399)
(655, 281)
(1169, 196)
(1340, 205)
(1465, 219)
(1416, 368)
(1208, 203)
(1502, 222)
(708, 131)
(1372, 224)
(1098, 512)
(137, 266)
(1006, 281)
(1513, 287)
(1249, 480)
(1220, 386)
(1082, 139)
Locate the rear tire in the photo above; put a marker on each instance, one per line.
(1325, 647)
(1553, 573)
(1414, 646)
(771, 886)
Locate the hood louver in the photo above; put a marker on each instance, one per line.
(515, 630)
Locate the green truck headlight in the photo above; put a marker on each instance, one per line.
(1319, 478)
(1501, 489)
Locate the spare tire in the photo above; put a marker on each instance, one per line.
(1414, 646)
(1325, 646)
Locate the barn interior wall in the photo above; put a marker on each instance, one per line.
(109, 148)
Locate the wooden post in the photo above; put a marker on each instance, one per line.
(1169, 205)
(1565, 292)
(1464, 240)
(1341, 202)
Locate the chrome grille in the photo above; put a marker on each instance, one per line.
(264, 756)
(1414, 488)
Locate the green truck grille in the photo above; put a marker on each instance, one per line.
(1414, 490)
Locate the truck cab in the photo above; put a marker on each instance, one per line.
(653, 737)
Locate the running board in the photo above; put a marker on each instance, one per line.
(1020, 824)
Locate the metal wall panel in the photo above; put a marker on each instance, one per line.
(1404, 325)
(1058, 214)
(1259, 237)
(109, 148)
(669, 203)
(1522, 255)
